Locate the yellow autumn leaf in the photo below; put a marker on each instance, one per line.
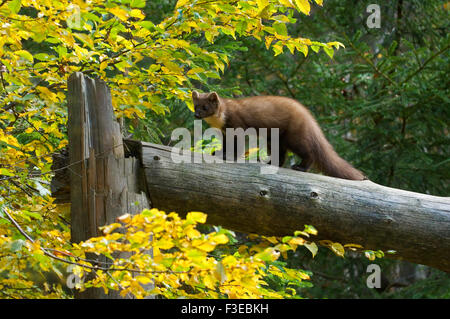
(353, 246)
(268, 41)
(126, 218)
(110, 228)
(229, 261)
(312, 247)
(287, 3)
(326, 242)
(136, 13)
(338, 249)
(206, 246)
(272, 239)
(197, 217)
(120, 13)
(181, 3)
(370, 255)
(190, 105)
(277, 48)
(303, 6)
(47, 94)
(103, 65)
(196, 70)
(302, 275)
(209, 282)
(192, 232)
(4, 171)
(138, 237)
(220, 239)
(143, 280)
(296, 241)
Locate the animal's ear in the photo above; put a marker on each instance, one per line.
(195, 94)
(213, 97)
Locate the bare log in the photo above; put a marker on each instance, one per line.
(237, 196)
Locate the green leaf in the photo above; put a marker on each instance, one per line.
(147, 24)
(229, 31)
(280, 28)
(17, 245)
(44, 57)
(32, 214)
(329, 51)
(315, 48)
(6, 172)
(312, 247)
(137, 3)
(301, 233)
(14, 5)
(285, 239)
(212, 74)
(25, 54)
(241, 27)
(310, 230)
(61, 50)
(209, 36)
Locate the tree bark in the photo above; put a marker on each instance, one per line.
(238, 197)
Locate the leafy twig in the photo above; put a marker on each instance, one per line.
(431, 58)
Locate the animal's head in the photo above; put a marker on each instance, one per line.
(205, 104)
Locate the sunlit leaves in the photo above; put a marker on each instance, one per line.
(303, 6)
(312, 247)
(180, 261)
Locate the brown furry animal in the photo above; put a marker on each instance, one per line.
(299, 131)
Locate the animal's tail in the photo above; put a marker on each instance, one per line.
(328, 161)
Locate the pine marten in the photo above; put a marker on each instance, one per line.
(298, 130)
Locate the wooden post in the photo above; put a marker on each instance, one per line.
(103, 183)
(239, 197)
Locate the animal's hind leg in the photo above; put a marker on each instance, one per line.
(301, 151)
(304, 166)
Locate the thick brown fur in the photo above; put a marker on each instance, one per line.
(299, 131)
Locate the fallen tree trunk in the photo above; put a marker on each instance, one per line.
(238, 197)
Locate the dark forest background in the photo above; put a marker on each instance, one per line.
(382, 101)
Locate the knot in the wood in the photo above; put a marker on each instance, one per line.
(313, 195)
(263, 192)
(388, 219)
(156, 158)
